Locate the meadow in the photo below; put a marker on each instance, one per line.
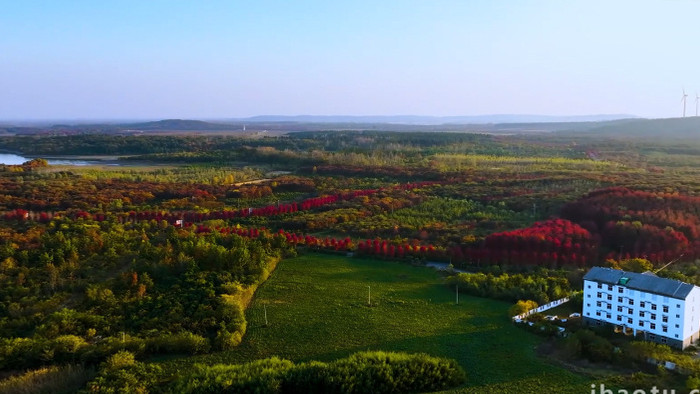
(317, 309)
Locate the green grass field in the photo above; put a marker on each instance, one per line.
(317, 310)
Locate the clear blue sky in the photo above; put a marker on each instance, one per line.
(219, 59)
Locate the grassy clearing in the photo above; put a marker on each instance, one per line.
(317, 310)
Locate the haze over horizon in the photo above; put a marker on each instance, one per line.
(216, 60)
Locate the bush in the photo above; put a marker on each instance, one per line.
(184, 342)
(521, 307)
(226, 340)
(65, 379)
(585, 343)
(313, 378)
(261, 376)
(120, 360)
(131, 378)
(375, 372)
(387, 372)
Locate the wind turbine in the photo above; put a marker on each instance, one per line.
(685, 96)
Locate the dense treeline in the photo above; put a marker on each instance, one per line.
(78, 290)
(552, 243)
(377, 372)
(658, 226)
(541, 288)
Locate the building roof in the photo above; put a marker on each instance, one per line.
(647, 282)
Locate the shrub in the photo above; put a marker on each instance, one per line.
(375, 372)
(120, 360)
(261, 376)
(388, 372)
(313, 378)
(521, 307)
(131, 378)
(226, 340)
(183, 342)
(64, 379)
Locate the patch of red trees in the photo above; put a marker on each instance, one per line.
(657, 226)
(551, 243)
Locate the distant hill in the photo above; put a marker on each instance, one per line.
(498, 124)
(433, 120)
(178, 124)
(673, 128)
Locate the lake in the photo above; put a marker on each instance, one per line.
(12, 159)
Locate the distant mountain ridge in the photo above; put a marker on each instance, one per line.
(178, 124)
(687, 128)
(434, 120)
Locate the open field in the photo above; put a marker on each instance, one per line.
(317, 310)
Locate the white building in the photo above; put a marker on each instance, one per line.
(663, 310)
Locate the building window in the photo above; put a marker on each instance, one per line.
(664, 328)
(608, 316)
(629, 320)
(589, 286)
(641, 323)
(676, 335)
(664, 319)
(630, 311)
(588, 304)
(609, 297)
(598, 303)
(652, 326)
(588, 313)
(678, 316)
(652, 337)
(589, 296)
(600, 295)
(631, 302)
(653, 316)
(600, 285)
(678, 305)
(619, 299)
(663, 340)
(665, 308)
(641, 313)
(620, 290)
(609, 306)
(610, 287)
(619, 309)
(619, 318)
(597, 313)
(653, 307)
(641, 304)
(677, 326)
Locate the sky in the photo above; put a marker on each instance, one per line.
(213, 59)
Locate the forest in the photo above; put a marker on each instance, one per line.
(106, 269)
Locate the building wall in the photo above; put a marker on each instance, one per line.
(658, 317)
(691, 315)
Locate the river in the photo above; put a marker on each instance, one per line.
(12, 159)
